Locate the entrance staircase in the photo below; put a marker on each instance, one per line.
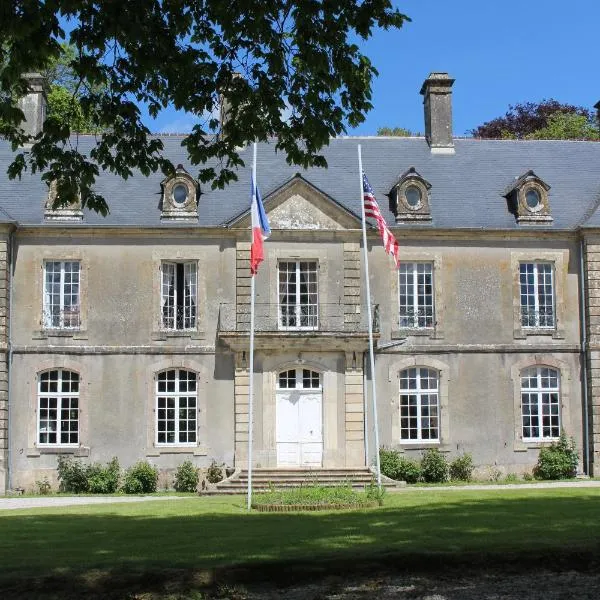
(265, 479)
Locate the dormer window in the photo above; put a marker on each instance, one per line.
(66, 212)
(528, 199)
(410, 197)
(179, 198)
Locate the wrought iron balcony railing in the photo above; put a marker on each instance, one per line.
(543, 318)
(417, 318)
(178, 319)
(322, 317)
(67, 318)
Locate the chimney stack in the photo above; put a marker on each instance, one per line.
(437, 103)
(33, 104)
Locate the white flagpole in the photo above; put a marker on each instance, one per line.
(251, 381)
(370, 318)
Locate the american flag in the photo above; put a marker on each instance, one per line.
(372, 210)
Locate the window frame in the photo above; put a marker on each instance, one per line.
(193, 307)
(178, 395)
(402, 320)
(537, 296)
(59, 396)
(47, 314)
(300, 374)
(419, 391)
(313, 313)
(540, 391)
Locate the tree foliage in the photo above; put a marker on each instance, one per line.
(548, 119)
(394, 131)
(299, 58)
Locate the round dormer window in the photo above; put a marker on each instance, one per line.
(180, 193)
(532, 199)
(413, 196)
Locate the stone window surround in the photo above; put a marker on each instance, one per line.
(34, 449)
(189, 364)
(66, 254)
(443, 370)
(187, 254)
(185, 211)
(540, 360)
(540, 213)
(411, 256)
(560, 260)
(406, 212)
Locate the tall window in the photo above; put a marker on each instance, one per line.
(416, 295)
(58, 408)
(540, 403)
(61, 294)
(419, 405)
(176, 407)
(298, 295)
(537, 294)
(179, 295)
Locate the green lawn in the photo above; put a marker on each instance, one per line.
(202, 533)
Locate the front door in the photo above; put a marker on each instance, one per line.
(299, 419)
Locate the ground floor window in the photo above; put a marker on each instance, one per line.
(58, 408)
(540, 403)
(176, 407)
(419, 405)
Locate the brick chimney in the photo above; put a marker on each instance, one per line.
(33, 104)
(437, 104)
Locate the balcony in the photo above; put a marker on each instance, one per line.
(537, 319)
(68, 318)
(323, 326)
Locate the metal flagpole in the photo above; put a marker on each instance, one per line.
(251, 381)
(370, 318)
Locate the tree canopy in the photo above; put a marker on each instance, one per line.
(394, 131)
(303, 79)
(548, 119)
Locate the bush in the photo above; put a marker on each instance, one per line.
(104, 480)
(214, 473)
(43, 486)
(142, 478)
(557, 461)
(186, 477)
(434, 466)
(395, 466)
(72, 475)
(461, 468)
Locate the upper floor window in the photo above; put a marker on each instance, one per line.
(416, 295)
(419, 405)
(61, 294)
(540, 403)
(537, 294)
(176, 407)
(298, 295)
(179, 295)
(58, 408)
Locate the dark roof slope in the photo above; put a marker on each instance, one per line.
(467, 187)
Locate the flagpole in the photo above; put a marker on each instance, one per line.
(370, 318)
(251, 381)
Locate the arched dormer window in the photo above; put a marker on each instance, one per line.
(179, 197)
(527, 199)
(410, 197)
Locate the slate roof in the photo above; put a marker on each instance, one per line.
(467, 187)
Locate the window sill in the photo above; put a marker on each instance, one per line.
(524, 446)
(417, 446)
(78, 451)
(405, 332)
(161, 336)
(76, 334)
(524, 333)
(193, 450)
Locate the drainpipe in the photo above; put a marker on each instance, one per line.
(584, 357)
(11, 262)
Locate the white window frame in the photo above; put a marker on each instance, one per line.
(538, 393)
(171, 302)
(178, 396)
(297, 376)
(69, 316)
(291, 311)
(419, 319)
(527, 307)
(420, 392)
(58, 397)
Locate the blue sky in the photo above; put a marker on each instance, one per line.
(500, 52)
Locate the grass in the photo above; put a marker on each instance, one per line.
(75, 543)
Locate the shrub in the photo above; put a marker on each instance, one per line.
(395, 466)
(434, 466)
(557, 461)
(43, 486)
(511, 478)
(461, 468)
(141, 478)
(186, 477)
(104, 480)
(214, 473)
(72, 475)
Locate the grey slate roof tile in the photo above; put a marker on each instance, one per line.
(467, 187)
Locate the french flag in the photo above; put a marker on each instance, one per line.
(260, 229)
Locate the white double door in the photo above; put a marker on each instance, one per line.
(300, 422)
